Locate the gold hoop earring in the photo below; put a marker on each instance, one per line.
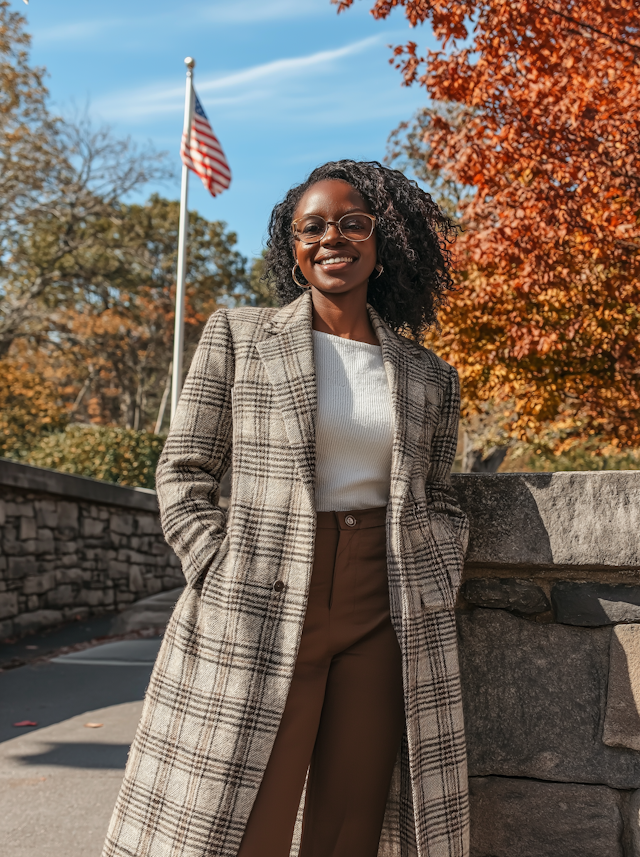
(293, 275)
(379, 268)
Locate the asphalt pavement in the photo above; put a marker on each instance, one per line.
(60, 778)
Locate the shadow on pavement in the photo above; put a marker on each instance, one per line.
(51, 692)
(80, 755)
(47, 642)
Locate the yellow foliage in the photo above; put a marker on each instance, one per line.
(29, 407)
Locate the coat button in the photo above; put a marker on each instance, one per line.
(278, 586)
(350, 521)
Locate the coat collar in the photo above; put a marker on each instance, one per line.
(287, 356)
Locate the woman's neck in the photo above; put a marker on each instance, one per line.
(343, 315)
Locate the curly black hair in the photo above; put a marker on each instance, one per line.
(413, 238)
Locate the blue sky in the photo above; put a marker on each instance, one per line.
(286, 84)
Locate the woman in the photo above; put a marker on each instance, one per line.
(316, 630)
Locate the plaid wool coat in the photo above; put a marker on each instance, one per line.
(220, 683)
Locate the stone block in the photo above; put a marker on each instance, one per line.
(535, 819)
(33, 602)
(92, 597)
(6, 629)
(506, 593)
(28, 528)
(45, 546)
(593, 604)
(92, 527)
(65, 547)
(68, 515)
(118, 569)
(548, 520)
(46, 513)
(132, 556)
(154, 585)
(61, 596)
(3, 513)
(122, 524)
(16, 547)
(8, 604)
(71, 575)
(10, 533)
(534, 700)
(622, 718)
(20, 566)
(69, 560)
(24, 510)
(26, 623)
(146, 525)
(136, 580)
(37, 584)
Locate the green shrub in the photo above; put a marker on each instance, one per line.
(118, 455)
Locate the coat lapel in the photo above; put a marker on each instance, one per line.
(287, 356)
(402, 364)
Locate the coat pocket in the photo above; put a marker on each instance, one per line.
(436, 558)
(214, 566)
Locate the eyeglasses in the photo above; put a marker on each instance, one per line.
(353, 227)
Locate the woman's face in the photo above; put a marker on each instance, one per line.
(334, 264)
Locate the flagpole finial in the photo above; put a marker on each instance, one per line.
(189, 62)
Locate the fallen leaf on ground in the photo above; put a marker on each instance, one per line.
(26, 723)
(27, 781)
(93, 725)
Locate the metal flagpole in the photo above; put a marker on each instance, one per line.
(178, 336)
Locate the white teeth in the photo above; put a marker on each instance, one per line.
(336, 260)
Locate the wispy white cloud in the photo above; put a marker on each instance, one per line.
(253, 11)
(253, 83)
(247, 12)
(77, 30)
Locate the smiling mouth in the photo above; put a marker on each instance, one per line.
(334, 260)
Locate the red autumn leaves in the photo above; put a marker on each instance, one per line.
(548, 314)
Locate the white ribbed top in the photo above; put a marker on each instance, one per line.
(354, 427)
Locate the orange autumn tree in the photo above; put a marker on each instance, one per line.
(542, 125)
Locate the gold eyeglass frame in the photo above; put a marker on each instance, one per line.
(335, 223)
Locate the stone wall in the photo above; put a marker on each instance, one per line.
(549, 626)
(71, 547)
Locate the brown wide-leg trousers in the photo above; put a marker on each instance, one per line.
(344, 716)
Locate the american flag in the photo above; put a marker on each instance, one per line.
(203, 154)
